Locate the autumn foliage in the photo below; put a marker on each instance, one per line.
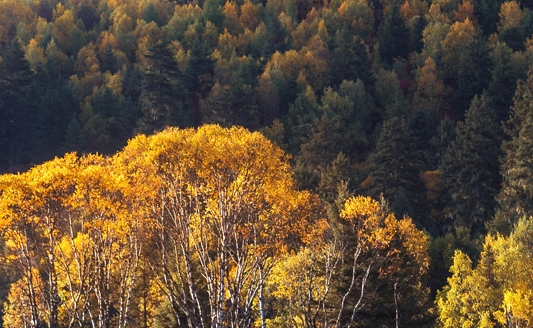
(189, 226)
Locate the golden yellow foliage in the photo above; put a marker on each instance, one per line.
(180, 216)
(510, 15)
(497, 291)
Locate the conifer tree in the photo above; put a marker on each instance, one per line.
(515, 199)
(396, 173)
(162, 92)
(15, 77)
(49, 105)
(470, 167)
(300, 117)
(393, 36)
(439, 143)
(502, 86)
(349, 59)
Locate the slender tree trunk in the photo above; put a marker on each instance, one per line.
(396, 305)
(261, 300)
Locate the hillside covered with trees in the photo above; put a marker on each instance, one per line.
(421, 107)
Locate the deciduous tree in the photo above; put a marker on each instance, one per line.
(222, 204)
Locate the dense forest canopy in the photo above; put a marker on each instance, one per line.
(423, 105)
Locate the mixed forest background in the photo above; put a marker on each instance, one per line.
(425, 106)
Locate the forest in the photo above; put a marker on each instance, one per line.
(266, 163)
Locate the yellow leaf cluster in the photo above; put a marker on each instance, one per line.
(497, 291)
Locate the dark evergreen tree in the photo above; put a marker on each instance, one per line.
(212, 11)
(108, 62)
(515, 199)
(151, 15)
(436, 223)
(234, 103)
(421, 132)
(300, 118)
(109, 127)
(362, 125)
(50, 104)
(439, 143)
(88, 15)
(502, 86)
(470, 168)
(336, 175)
(515, 36)
(162, 92)
(394, 36)
(277, 34)
(198, 76)
(73, 137)
(199, 68)
(15, 78)
(132, 89)
(486, 12)
(45, 10)
(317, 151)
(471, 78)
(349, 59)
(395, 172)
(418, 24)
(350, 110)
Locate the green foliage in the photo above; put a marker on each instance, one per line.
(349, 60)
(393, 35)
(15, 78)
(470, 168)
(503, 81)
(395, 172)
(322, 78)
(514, 199)
(162, 92)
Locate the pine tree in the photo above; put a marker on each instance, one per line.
(393, 36)
(439, 143)
(15, 77)
(515, 199)
(317, 150)
(162, 92)
(502, 86)
(300, 117)
(50, 104)
(395, 172)
(349, 59)
(470, 167)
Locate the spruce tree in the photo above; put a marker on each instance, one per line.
(349, 59)
(50, 103)
(470, 167)
(502, 86)
(395, 172)
(439, 143)
(515, 199)
(162, 92)
(393, 36)
(317, 150)
(15, 78)
(300, 118)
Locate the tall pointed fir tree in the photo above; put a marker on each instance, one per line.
(15, 78)
(395, 172)
(162, 92)
(470, 168)
(393, 36)
(515, 199)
